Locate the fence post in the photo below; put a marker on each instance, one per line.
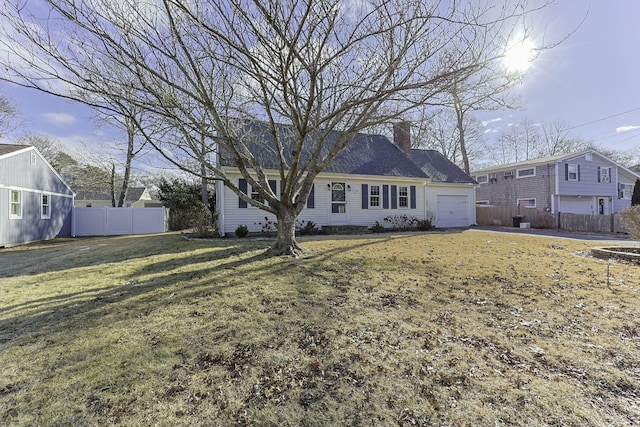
(559, 221)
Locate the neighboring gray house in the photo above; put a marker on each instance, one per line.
(137, 197)
(372, 179)
(584, 182)
(35, 203)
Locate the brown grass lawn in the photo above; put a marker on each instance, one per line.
(465, 328)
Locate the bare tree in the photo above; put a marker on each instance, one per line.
(438, 130)
(48, 146)
(558, 139)
(202, 67)
(520, 142)
(8, 114)
(126, 117)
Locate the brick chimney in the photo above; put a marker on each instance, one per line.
(402, 136)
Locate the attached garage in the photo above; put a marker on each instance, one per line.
(452, 211)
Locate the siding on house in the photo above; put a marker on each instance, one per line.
(368, 160)
(570, 183)
(507, 190)
(321, 213)
(24, 170)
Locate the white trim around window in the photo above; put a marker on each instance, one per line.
(527, 203)
(15, 204)
(45, 206)
(403, 197)
(482, 179)
(526, 173)
(375, 196)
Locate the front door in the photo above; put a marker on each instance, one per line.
(603, 205)
(338, 203)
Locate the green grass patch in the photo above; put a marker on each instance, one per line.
(468, 328)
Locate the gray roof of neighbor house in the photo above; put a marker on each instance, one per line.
(365, 155)
(133, 194)
(439, 168)
(10, 148)
(536, 161)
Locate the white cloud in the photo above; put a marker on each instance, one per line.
(59, 119)
(626, 128)
(488, 122)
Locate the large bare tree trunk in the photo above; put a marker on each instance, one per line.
(286, 243)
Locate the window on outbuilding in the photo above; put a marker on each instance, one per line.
(15, 204)
(45, 206)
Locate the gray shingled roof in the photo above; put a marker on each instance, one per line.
(365, 154)
(133, 194)
(439, 168)
(10, 148)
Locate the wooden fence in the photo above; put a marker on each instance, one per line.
(537, 218)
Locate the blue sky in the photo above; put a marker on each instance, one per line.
(591, 82)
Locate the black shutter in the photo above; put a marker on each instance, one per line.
(412, 193)
(242, 185)
(598, 173)
(365, 196)
(385, 197)
(311, 203)
(566, 171)
(394, 197)
(578, 172)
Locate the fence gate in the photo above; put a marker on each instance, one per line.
(118, 221)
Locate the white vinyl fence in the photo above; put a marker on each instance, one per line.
(117, 221)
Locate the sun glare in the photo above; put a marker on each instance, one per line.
(519, 56)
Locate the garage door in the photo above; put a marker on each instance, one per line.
(452, 211)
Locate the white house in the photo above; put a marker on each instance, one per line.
(369, 181)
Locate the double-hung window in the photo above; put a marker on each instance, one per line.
(15, 204)
(45, 206)
(403, 197)
(374, 196)
(255, 195)
(572, 172)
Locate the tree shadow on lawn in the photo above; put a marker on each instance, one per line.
(208, 272)
(49, 313)
(64, 254)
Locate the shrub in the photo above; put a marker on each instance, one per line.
(630, 218)
(427, 223)
(544, 220)
(424, 224)
(184, 200)
(309, 229)
(268, 227)
(401, 222)
(377, 227)
(202, 227)
(242, 231)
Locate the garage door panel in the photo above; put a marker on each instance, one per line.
(452, 211)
